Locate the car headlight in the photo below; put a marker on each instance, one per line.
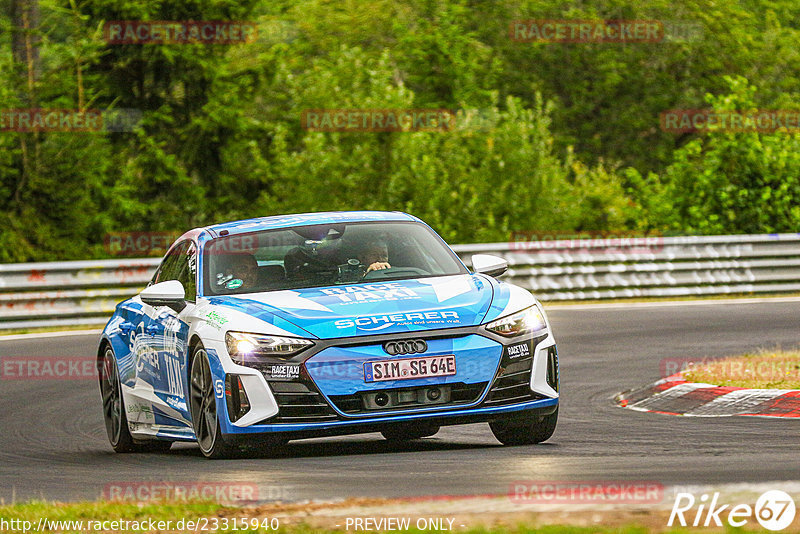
(523, 322)
(247, 348)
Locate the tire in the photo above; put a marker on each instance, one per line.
(405, 432)
(203, 408)
(525, 432)
(114, 413)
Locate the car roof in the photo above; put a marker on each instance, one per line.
(305, 219)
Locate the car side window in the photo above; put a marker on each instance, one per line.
(188, 270)
(170, 267)
(154, 279)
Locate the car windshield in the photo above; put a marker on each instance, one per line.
(325, 255)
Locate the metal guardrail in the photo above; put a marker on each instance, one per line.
(68, 293)
(85, 292)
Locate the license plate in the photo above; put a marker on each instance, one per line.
(409, 368)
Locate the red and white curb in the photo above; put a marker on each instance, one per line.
(675, 396)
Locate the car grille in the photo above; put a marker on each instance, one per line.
(299, 402)
(512, 383)
(460, 394)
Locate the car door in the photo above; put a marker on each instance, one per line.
(169, 332)
(145, 362)
(131, 328)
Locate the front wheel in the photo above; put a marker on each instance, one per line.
(203, 405)
(525, 431)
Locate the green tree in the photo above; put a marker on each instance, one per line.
(731, 182)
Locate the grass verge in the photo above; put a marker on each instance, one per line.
(211, 517)
(773, 369)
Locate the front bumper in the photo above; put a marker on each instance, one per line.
(359, 426)
(325, 394)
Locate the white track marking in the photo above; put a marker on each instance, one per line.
(736, 402)
(668, 394)
(665, 304)
(42, 335)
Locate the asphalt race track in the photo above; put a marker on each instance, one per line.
(53, 443)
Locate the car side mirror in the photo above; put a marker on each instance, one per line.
(169, 293)
(488, 264)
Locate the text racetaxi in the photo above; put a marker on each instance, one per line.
(256, 332)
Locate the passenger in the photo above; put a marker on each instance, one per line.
(242, 267)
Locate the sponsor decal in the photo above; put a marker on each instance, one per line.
(380, 322)
(371, 293)
(174, 374)
(215, 320)
(172, 325)
(235, 283)
(219, 388)
(283, 372)
(147, 356)
(136, 408)
(140, 413)
(517, 351)
(176, 403)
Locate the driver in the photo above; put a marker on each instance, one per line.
(375, 256)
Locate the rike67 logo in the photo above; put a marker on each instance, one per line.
(774, 510)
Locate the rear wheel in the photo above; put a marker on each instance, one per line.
(203, 405)
(525, 431)
(114, 411)
(403, 432)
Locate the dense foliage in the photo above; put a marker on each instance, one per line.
(560, 137)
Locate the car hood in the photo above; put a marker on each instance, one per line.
(372, 308)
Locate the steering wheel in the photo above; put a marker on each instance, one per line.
(395, 272)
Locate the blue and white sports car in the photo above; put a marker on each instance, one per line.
(256, 332)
